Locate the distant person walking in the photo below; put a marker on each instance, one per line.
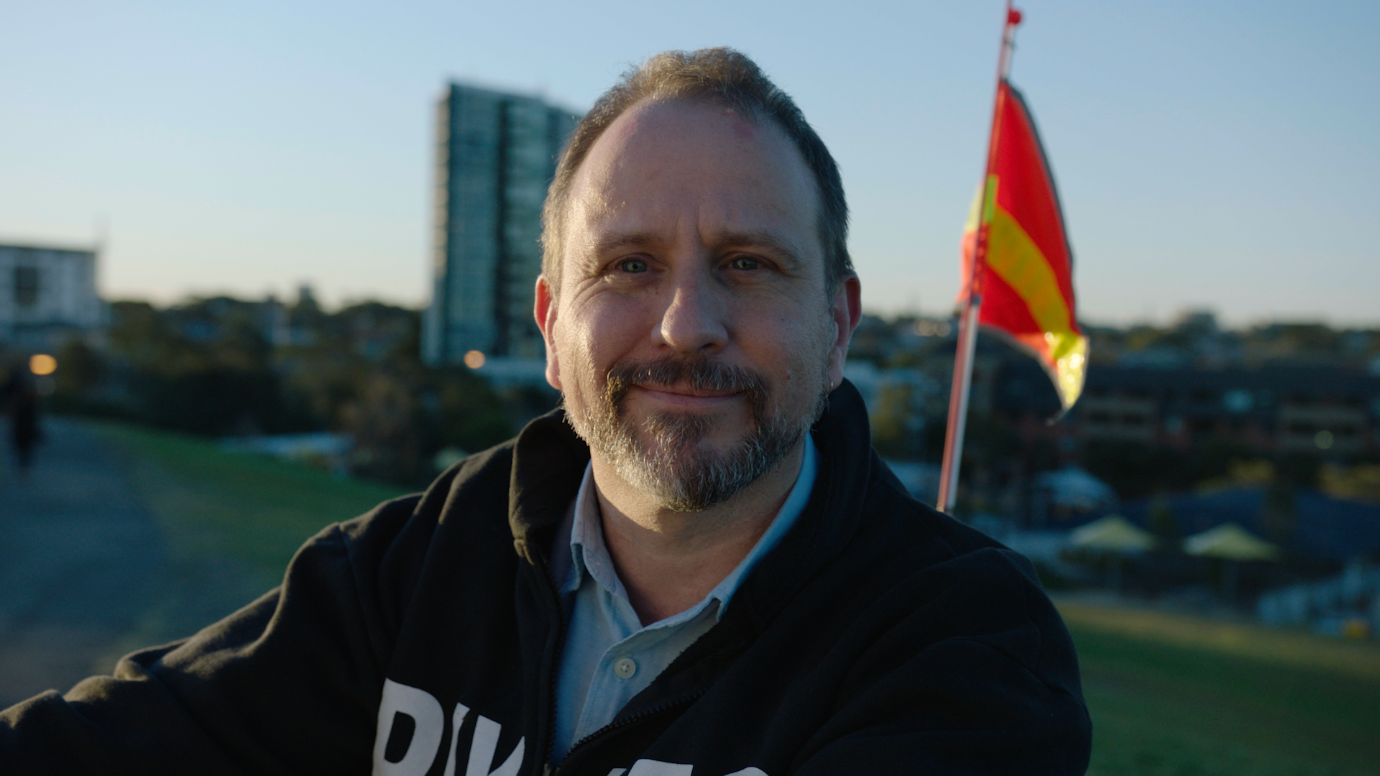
(24, 431)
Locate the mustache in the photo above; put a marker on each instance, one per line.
(698, 372)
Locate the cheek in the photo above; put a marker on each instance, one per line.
(601, 335)
(814, 349)
(792, 350)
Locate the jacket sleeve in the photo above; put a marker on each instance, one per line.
(289, 684)
(999, 694)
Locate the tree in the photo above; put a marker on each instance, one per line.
(385, 424)
(79, 367)
(891, 422)
(472, 415)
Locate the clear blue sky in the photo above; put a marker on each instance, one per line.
(1218, 155)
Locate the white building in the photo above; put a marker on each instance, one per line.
(47, 294)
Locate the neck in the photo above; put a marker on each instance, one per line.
(668, 561)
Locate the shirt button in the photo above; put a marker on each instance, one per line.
(624, 667)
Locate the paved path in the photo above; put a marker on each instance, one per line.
(80, 558)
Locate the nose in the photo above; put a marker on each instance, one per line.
(695, 317)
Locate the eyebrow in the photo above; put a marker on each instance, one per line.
(617, 241)
(784, 249)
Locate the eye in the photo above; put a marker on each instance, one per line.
(745, 263)
(632, 266)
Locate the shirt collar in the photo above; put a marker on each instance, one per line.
(589, 555)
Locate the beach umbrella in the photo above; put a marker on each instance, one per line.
(1112, 534)
(1115, 537)
(1232, 544)
(1230, 541)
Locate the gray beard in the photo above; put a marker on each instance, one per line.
(670, 465)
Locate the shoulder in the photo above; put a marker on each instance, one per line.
(483, 512)
(953, 574)
(386, 550)
(919, 644)
(943, 628)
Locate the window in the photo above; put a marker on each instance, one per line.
(25, 286)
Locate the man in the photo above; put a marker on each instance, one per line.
(699, 568)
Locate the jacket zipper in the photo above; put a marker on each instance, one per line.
(555, 668)
(620, 723)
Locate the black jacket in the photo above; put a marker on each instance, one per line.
(879, 637)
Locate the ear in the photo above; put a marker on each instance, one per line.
(847, 311)
(544, 310)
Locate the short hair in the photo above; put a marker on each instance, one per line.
(719, 75)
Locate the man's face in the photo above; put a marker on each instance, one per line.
(693, 338)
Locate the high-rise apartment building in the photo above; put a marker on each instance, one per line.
(495, 156)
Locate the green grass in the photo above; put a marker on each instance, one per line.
(253, 508)
(1176, 694)
(230, 523)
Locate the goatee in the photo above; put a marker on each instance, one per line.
(665, 457)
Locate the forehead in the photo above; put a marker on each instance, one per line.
(676, 165)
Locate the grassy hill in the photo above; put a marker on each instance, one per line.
(1178, 694)
(230, 521)
(253, 508)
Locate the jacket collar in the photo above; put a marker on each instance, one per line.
(548, 462)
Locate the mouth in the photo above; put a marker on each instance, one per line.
(684, 396)
(674, 384)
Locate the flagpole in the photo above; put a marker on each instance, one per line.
(972, 305)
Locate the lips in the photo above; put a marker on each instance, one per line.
(685, 390)
(683, 396)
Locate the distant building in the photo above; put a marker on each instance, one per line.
(47, 295)
(495, 156)
(1278, 408)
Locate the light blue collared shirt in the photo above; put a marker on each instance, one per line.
(609, 656)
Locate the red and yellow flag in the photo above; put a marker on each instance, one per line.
(1026, 278)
